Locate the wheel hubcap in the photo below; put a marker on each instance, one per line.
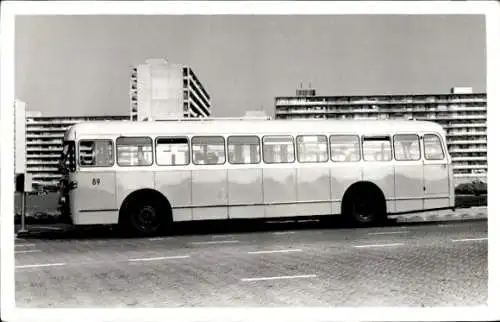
(147, 219)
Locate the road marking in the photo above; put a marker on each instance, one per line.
(47, 227)
(283, 232)
(215, 242)
(275, 278)
(275, 251)
(40, 265)
(221, 236)
(469, 239)
(389, 232)
(27, 251)
(280, 221)
(24, 245)
(160, 238)
(156, 258)
(378, 245)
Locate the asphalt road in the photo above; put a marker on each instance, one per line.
(403, 265)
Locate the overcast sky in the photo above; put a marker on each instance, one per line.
(79, 65)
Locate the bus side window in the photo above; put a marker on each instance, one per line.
(433, 149)
(96, 153)
(312, 148)
(278, 149)
(208, 150)
(134, 151)
(243, 149)
(377, 149)
(172, 151)
(344, 148)
(406, 147)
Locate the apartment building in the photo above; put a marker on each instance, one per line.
(163, 90)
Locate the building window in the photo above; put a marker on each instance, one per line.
(345, 148)
(243, 149)
(278, 149)
(96, 153)
(208, 150)
(406, 147)
(134, 151)
(377, 148)
(433, 149)
(172, 151)
(312, 148)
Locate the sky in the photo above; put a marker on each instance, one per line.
(80, 65)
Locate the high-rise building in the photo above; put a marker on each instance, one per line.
(44, 141)
(461, 112)
(162, 90)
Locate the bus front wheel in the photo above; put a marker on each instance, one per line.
(144, 218)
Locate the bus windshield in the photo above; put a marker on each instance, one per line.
(67, 161)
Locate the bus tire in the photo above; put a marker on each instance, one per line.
(145, 215)
(364, 205)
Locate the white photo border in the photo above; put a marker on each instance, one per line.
(10, 9)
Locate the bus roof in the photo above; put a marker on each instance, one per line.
(243, 126)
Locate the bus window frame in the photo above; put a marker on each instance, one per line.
(394, 147)
(135, 137)
(279, 135)
(377, 138)
(360, 147)
(113, 145)
(259, 141)
(172, 137)
(327, 142)
(209, 136)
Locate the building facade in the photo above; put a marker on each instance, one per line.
(44, 141)
(461, 112)
(162, 90)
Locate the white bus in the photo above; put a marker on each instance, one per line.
(144, 176)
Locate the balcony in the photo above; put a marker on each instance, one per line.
(467, 134)
(468, 125)
(46, 129)
(468, 150)
(466, 142)
(44, 135)
(42, 162)
(457, 159)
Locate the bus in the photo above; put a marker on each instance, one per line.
(146, 176)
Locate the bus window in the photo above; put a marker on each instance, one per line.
(433, 149)
(134, 151)
(172, 151)
(208, 150)
(278, 149)
(243, 149)
(312, 148)
(406, 147)
(96, 153)
(344, 148)
(377, 148)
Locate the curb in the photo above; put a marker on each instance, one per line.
(477, 213)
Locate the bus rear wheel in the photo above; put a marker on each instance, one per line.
(365, 209)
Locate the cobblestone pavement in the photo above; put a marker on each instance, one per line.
(419, 265)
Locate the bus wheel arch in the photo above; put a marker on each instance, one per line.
(364, 203)
(145, 212)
